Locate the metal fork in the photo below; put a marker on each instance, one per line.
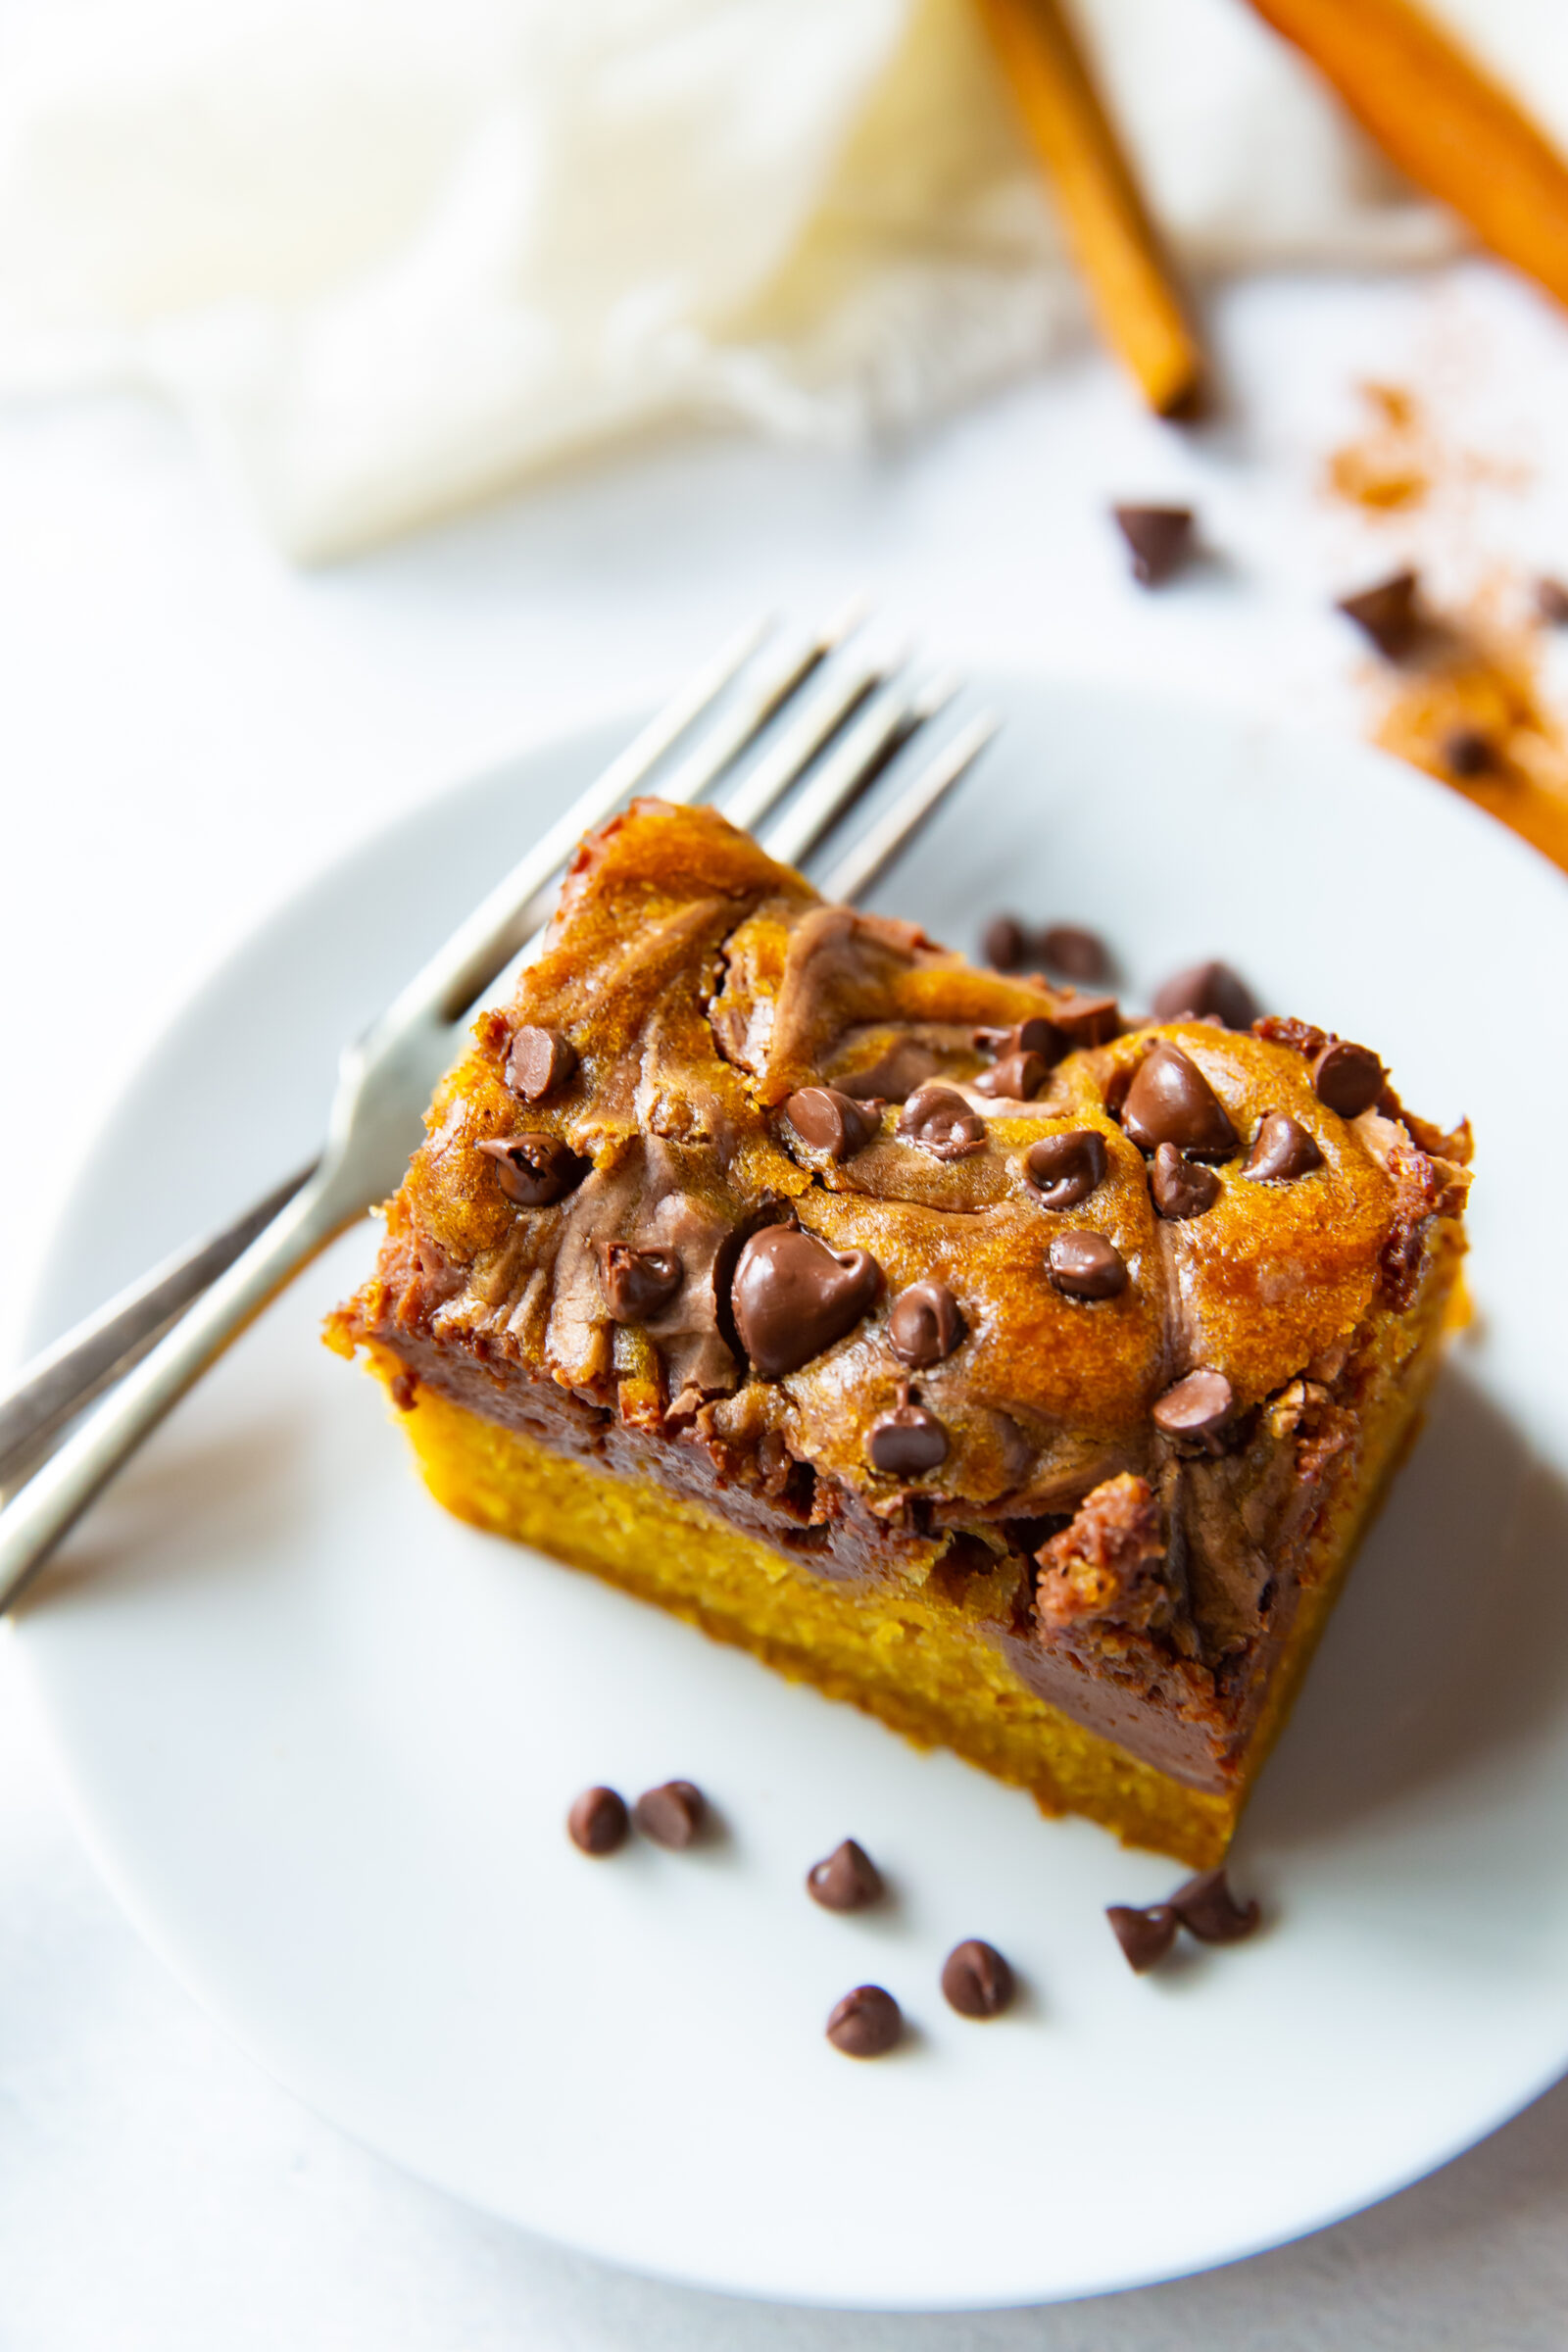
(796, 714)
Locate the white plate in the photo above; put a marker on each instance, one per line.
(321, 1737)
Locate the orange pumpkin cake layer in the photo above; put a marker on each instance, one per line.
(1023, 1378)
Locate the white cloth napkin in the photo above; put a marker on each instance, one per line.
(389, 255)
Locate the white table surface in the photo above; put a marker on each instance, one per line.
(187, 729)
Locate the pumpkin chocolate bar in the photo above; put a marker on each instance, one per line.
(1022, 1377)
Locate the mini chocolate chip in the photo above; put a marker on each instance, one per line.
(792, 1297)
(1348, 1078)
(670, 1815)
(977, 1980)
(1065, 1170)
(907, 1441)
(1088, 1021)
(1389, 614)
(1018, 1078)
(865, 2024)
(1004, 944)
(924, 1323)
(1181, 1188)
(847, 1880)
(827, 1120)
(1466, 752)
(535, 1169)
(638, 1284)
(1203, 989)
(1171, 1102)
(538, 1061)
(942, 1122)
(1280, 1151)
(1196, 1407)
(1207, 1909)
(1068, 948)
(597, 1822)
(1551, 601)
(1086, 1265)
(1146, 1936)
(1159, 538)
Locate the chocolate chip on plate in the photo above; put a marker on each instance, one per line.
(1348, 1078)
(907, 1441)
(925, 1324)
(1085, 1265)
(538, 1061)
(638, 1284)
(1389, 614)
(1145, 1936)
(1208, 1910)
(1282, 1150)
(1066, 1169)
(535, 1169)
(1016, 1078)
(670, 1815)
(1160, 539)
(846, 1880)
(792, 1297)
(1180, 1187)
(827, 1120)
(1079, 953)
(1004, 944)
(1196, 1407)
(597, 1821)
(940, 1120)
(1551, 601)
(1205, 989)
(977, 1980)
(1171, 1102)
(866, 2023)
(1467, 751)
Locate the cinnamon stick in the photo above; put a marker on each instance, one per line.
(1130, 280)
(1437, 115)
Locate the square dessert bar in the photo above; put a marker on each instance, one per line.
(1024, 1378)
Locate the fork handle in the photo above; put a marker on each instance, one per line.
(56, 1495)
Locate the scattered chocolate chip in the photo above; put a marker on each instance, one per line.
(1196, 1407)
(535, 1169)
(538, 1061)
(1348, 1078)
(907, 1441)
(924, 1323)
(942, 1122)
(977, 1980)
(638, 1284)
(1282, 1151)
(1004, 944)
(1204, 989)
(597, 1822)
(1069, 949)
(827, 1120)
(1085, 1265)
(1147, 1935)
(1207, 1909)
(866, 2023)
(670, 1815)
(1018, 1078)
(1161, 539)
(1171, 1102)
(847, 1880)
(1181, 1188)
(1389, 614)
(1088, 1021)
(792, 1297)
(1551, 601)
(1467, 751)
(1066, 1169)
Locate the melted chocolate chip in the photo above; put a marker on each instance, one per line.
(847, 1880)
(792, 1296)
(1171, 1102)
(1467, 751)
(1207, 1909)
(538, 1061)
(1282, 1150)
(977, 1980)
(597, 1822)
(1036, 1035)
(827, 1120)
(1348, 1078)
(1389, 614)
(1204, 989)
(907, 1441)
(1078, 953)
(1145, 1936)
(1066, 1169)
(1004, 944)
(924, 1325)
(670, 1815)
(942, 1122)
(1088, 1021)
(1017, 1078)
(1181, 1188)
(866, 2023)
(535, 1169)
(1196, 1407)
(1551, 603)
(1160, 539)
(1085, 1265)
(638, 1284)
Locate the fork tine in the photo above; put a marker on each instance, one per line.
(854, 766)
(760, 793)
(919, 799)
(732, 735)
